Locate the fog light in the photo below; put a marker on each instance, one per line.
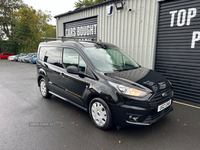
(132, 117)
(135, 118)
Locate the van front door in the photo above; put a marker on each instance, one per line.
(72, 86)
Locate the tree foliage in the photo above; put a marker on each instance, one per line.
(50, 32)
(21, 27)
(8, 46)
(85, 3)
(29, 26)
(7, 7)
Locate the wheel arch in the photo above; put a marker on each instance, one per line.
(41, 74)
(91, 97)
(39, 78)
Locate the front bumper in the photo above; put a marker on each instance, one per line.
(142, 113)
(127, 116)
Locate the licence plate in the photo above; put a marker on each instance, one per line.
(165, 105)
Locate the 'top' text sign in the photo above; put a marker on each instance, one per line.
(184, 17)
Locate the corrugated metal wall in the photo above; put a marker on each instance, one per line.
(178, 47)
(133, 31)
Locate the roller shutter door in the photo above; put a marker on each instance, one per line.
(178, 47)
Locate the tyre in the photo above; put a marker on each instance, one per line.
(44, 89)
(100, 114)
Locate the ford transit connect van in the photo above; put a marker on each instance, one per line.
(103, 80)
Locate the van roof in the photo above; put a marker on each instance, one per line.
(76, 44)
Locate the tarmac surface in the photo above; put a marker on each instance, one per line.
(30, 122)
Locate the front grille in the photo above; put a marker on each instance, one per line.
(158, 99)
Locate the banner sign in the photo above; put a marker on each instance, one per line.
(85, 27)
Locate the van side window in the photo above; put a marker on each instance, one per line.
(51, 55)
(72, 58)
(42, 53)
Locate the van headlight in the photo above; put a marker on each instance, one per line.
(128, 90)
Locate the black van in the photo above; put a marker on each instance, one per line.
(103, 80)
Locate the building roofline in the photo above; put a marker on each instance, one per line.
(85, 8)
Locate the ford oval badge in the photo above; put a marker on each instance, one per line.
(164, 94)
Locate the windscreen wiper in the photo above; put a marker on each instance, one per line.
(126, 69)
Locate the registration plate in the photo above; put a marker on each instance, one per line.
(165, 105)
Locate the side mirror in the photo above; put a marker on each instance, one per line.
(72, 69)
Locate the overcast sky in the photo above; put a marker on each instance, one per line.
(55, 6)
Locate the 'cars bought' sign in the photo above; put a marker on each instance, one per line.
(84, 27)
